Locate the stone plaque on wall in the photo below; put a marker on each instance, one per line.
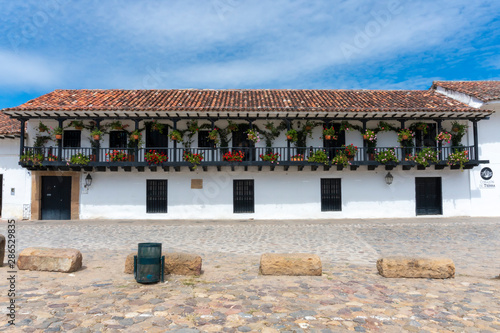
(196, 183)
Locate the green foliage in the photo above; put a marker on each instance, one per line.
(425, 156)
(386, 156)
(319, 156)
(79, 159)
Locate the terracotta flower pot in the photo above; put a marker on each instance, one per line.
(328, 137)
(41, 130)
(135, 137)
(58, 136)
(79, 128)
(365, 137)
(455, 129)
(97, 137)
(289, 137)
(308, 128)
(174, 137)
(405, 137)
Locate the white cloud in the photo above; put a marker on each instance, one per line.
(26, 71)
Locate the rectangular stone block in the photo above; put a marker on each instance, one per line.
(48, 259)
(403, 267)
(290, 264)
(175, 263)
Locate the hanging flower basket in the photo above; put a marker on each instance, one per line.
(96, 136)
(58, 136)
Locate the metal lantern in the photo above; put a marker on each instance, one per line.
(149, 264)
(389, 178)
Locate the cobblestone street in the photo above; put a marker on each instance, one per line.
(231, 296)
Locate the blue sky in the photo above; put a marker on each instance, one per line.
(221, 44)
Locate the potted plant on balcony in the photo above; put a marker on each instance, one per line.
(135, 136)
(193, 158)
(58, 132)
(297, 158)
(424, 157)
(117, 156)
(370, 136)
(405, 134)
(175, 135)
(253, 135)
(51, 157)
(341, 159)
(319, 156)
(214, 135)
(459, 157)
(154, 157)
(43, 128)
(458, 131)
(350, 151)
(329, 133)
(443, 137)
(270, 157)
(79, 159)
(29, 156)
(234, 156)
(232, 127)
(292, 135)
(117, 125)
(386, 156)
(78, 125)
(96, 134)
(156, 126)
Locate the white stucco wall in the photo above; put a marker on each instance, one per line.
(14, 177)
(278, 195)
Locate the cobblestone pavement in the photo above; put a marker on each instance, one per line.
(231, 296)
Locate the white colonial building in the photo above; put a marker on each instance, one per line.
(261, 154)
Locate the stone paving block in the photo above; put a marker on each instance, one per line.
(290, 264)
(2, 249)
(50, 259)
(175, 263)
(405, 267)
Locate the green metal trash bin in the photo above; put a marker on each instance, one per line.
(149, 264)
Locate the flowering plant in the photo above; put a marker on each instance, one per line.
(96, 131)
(370, 136)
(193, 126)
(329, 133)
(270, 157)
(43, 128)
(341, 159)
(77, 124)
(214, 135)
(176, 136)
(458, 158)
(405, 135)
(136, 135)
(386, 156)
(444, 136)
(350, 150)
(154, 157)
(232, 127)
(80, 159)
(156, 126)
(298, 157)
(51, 157)
(292, 135)
(195, 159)
(235, 156)
(117, 156)
(58, 130)
(117, 125)
(425, 156)
(319, 156)
(30, 156)
(253, 135)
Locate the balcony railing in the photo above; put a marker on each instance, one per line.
(135, 157)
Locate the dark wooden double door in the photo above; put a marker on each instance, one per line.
(56, 198)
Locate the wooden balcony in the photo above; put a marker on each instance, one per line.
(114, 159)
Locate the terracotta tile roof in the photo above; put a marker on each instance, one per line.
(483, 90)
(9, 126)
(244, 101)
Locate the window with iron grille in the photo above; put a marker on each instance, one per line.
(243, 196)
(331, 195)
(118, 139)
(72, 139)
(156, 196)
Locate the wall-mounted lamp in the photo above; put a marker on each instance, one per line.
(389, 178)
(88, 181)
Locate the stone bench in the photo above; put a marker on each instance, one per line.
(290, 264)
(2, 249)
(404, 267)
(49, 259)
(175, 263)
